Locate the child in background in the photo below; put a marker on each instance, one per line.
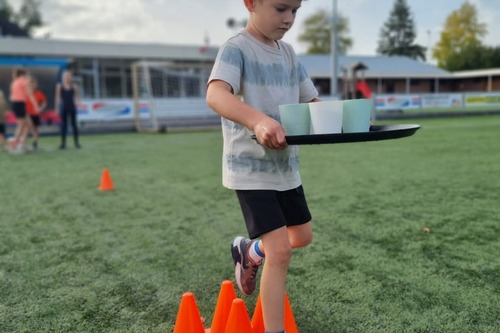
(253, 74)
(34, 113)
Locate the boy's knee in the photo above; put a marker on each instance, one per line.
(280, 256)
(301, 240)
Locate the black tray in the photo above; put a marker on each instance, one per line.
(376, 133)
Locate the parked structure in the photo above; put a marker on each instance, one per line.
(103, 68)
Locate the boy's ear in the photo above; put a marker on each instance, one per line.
(250, 4)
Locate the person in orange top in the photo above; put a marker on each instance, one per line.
(20, 92)
(34, 114)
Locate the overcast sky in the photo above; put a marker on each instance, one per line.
(195, 21)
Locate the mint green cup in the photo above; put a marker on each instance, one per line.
(295, 118)
(357, 114)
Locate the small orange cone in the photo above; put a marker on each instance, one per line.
(106, 181)
(238, 321)
(258, 318)
(290, 325)
(188, 318)
(226, 297)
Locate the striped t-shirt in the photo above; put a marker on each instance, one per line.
(264, 77)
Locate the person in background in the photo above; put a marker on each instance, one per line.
(67, 97)
(20, 92)
(253, 74)
(3, 110)
(34, 113)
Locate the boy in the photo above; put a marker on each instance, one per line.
(254, 73)
(34, 115)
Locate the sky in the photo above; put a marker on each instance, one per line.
(196, 22)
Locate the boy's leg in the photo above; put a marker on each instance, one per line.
(300, 235)
(273, 279)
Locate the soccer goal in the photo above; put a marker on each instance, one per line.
(169, 95)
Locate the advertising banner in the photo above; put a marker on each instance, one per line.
(397, 102)
(479, 99)
(442, 101)
(103, 110)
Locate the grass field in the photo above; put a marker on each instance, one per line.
(73, 259)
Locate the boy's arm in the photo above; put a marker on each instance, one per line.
(268, 131)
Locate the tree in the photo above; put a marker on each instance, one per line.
(6, 11)
(318, 31)
(462, 31)
(474, 57)
(397, 36)
(29, 16)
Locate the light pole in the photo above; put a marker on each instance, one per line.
(334, 53)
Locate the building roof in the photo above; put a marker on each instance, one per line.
(477, 73)
(319, 66)
(113, 50)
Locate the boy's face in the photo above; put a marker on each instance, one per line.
(270, 20)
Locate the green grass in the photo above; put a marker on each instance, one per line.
(73, 259)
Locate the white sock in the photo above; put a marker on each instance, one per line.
(255, 253)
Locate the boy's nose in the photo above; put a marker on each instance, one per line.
(289, 17)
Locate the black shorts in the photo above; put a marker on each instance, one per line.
(266, 210)
(2, 128)
(19, 109)
(35, 120)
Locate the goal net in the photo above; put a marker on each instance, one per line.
(169, 95)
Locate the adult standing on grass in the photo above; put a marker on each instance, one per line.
(20, 92)
(254, 73)
(67, 97)
(34, 113)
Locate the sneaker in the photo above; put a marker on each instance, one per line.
(245, 268)
(17, 150)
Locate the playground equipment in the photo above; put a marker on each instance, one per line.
(355, 85)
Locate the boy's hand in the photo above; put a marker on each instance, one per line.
(270, 134)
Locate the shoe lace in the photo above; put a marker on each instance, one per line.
(253, 270)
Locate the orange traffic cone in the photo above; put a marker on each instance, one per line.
(188, 318)
(238, 321)
(226, 297)
(290, 325)
(106, 181)
(258, 317)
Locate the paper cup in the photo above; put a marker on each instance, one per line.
(326, 117)
(357, 114)
(295, 118)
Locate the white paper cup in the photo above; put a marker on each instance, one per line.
(295, 118)
(326, 117)
(357, 114)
